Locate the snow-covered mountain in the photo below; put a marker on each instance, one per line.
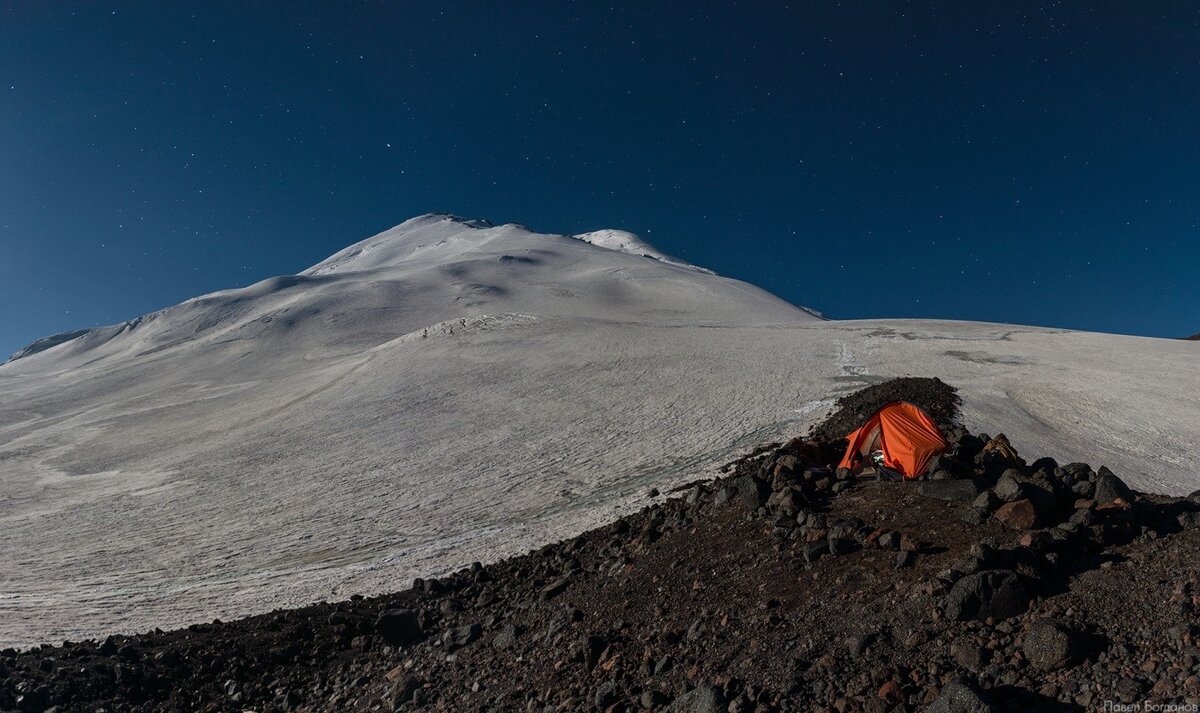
(450, 391)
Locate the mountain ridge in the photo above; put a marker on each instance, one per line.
(430, 240)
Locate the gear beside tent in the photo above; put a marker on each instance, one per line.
(900, 437)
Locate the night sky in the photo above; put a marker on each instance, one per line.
(1025, 163)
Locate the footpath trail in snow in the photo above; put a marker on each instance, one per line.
(449, 391)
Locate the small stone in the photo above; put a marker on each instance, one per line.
(461, 636)
(507, 637)
(974, 516)
(960, 697)
(1050, 645)
(706, 699)
(890, 692)
(651, 700)
(555, 588)
(1019, 515)
(969, 656)
(888, 540)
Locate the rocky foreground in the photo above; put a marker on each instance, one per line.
(996, 585)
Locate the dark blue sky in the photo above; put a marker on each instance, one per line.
(1031, 163)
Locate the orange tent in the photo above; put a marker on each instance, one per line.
(905, 434)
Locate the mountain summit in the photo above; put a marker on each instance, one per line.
(429, 269)
(452, 391)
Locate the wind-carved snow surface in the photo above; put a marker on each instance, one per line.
(450, 391)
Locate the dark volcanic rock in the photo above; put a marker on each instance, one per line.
(507, 637)
(399, 627)
(960, 697)
(987, 501)
(1109, 487)
(555, 588)
(606, 694)
(814, 551)
(974, 515)
(1009, 487)
(949, 489)
(460, 636)
(753, 491)
(787, 501)
(997, 594)
(1050, 645)
(706, 699)
(1019, 515)
(970, 656)
(841, 545)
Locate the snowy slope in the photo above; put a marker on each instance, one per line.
(450, 391)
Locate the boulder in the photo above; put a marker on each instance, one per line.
(960, 697)
(1010, 486)
(1109, 488)
(606, 694)
(949, 489)
(1083, 517)
(399, 627)
(987, 501)
(786, 501)
(706, 699)
(1019, 515)
(1084, 488)
(1187, 520)
(1044, 464)
(1079, 471)
(814, 551)
(724, 495)
(1050, 645)
(402, 692)
(785, 465)
(753, 491)
(991, 593)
